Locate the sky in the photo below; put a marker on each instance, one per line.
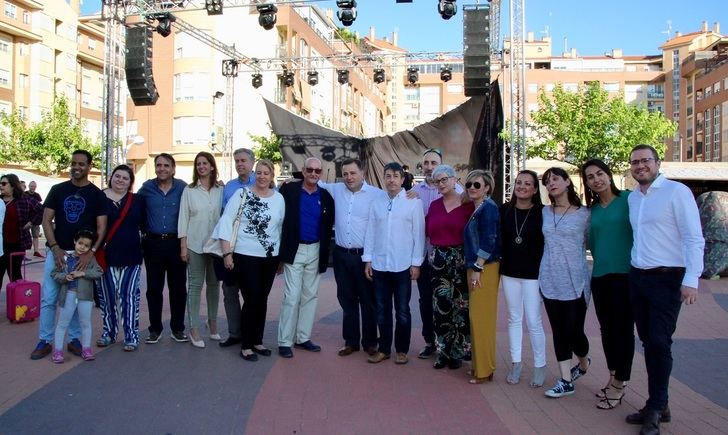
(592, 27)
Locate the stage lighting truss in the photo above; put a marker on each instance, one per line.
(230, 68)
(257, 80)
(343, 76)
(446, 73)
(379, 76)
(267, 18)
(347, 11)
(413, 75)
(447, 9)
(213, 7)
(312, 78)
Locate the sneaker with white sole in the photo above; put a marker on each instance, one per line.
(577, 371)
(152, 338)
(180, 337)
(561, 389)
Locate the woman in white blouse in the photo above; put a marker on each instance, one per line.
(254, 256)
(198, 214)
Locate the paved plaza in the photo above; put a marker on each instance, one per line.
(172, 388)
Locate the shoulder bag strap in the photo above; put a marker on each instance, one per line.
(119, 221)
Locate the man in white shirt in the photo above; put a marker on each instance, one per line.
(667, 260)
(352, 200)
(393, 252)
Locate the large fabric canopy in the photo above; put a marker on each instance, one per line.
(466, 135)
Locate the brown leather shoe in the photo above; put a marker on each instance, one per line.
(372, 350)
(378, 357)
(41, 350)
(347, 350)
(400, 358)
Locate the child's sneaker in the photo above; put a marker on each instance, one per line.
(57, 356)
(87, 354)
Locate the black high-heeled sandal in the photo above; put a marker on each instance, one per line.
(607, 402)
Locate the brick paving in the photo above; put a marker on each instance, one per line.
(177, 389)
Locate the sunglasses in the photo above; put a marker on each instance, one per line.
(313, 170)
(475, 185)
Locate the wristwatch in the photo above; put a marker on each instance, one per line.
(476, 267)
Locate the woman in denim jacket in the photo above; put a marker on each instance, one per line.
(482, 257)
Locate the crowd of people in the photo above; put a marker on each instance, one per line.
(452, 239)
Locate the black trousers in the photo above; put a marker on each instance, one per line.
(255, 276)
(356, 295)
(656, 305)
(567, 325)
(14, 274)
(424, 287)
(614, 312)
(161, 259)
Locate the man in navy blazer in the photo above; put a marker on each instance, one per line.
(304, 253)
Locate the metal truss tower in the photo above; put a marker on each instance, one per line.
(113, 151)
(514, 156)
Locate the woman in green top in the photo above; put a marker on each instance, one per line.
(610, 242)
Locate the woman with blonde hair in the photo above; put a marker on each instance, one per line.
(482, 256)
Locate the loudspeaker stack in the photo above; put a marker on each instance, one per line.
(142, 89)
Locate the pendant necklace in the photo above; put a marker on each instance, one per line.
(556, 223)
(518, 238)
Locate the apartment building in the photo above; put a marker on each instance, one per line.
(704, 127)
(46, 49)
(187, 74)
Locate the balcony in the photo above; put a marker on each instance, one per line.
(657, 95)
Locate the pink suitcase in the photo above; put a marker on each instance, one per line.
(23, 297)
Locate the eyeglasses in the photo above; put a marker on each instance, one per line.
(644, 161)
(312, 170)
(442, 180)
(4, 183)
(437, 151)
(475, 185)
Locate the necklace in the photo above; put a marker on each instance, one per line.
(556, 223)
(518, 238)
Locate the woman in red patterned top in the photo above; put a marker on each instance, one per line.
(444, 226)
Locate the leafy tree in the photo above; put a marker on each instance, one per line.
(577, 126)
(267, 147)
(46, 145)
(347, 35)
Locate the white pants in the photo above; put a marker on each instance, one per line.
(524, 294)
(84, 318)
(300, 295)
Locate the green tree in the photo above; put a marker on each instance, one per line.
(577, 126)
(347, 35)
(46, 145)
(268, 147)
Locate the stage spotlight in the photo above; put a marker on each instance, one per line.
(257, 80)
(214, 7)
(343, 76)
(267, 18)
(347, 11)
(446, 73)
(379, 76)
(164, 23)
(288, 78)
(447, 8)
(312, 78)
(413, 75)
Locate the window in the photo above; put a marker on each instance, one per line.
(132, 127)
(91, 44)
(85, 99)
(22, 49)
(532, 88)
(46, 53)
(4, 108)
(571, 87)
(4, 46)
(716, 87)
(4, 77)
(192, 87)
(708, 92)
(611, 87)
(70, 62)
(23, 112)
(186, 46)
(10, 10)
(455, 89)
(44, 84)
(26, 17)
(191, 130)
(22, 80)
(549, 87)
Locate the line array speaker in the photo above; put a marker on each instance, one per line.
(476, 42)
(138, 66)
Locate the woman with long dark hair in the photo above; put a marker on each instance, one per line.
(522, 239)
(564, 277)
(199, 211)
(445, 227)
(119, 295)
(21, 213)
(610, 242)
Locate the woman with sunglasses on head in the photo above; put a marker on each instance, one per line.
(522, 239)
(445, 226)
(564, 277)
(610, 242)
(482, 257)
(21, 213)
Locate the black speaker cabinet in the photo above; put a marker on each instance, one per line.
(476, 41)
(138, 66)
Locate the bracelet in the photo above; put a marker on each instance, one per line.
(226, 254)
(52, 246)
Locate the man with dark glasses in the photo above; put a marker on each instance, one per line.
(304, 252)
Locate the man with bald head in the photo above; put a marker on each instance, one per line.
(304, 252)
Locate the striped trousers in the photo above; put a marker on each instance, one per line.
(120, 295)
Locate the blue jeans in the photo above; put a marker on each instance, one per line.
(397, 286)
(49, 303)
